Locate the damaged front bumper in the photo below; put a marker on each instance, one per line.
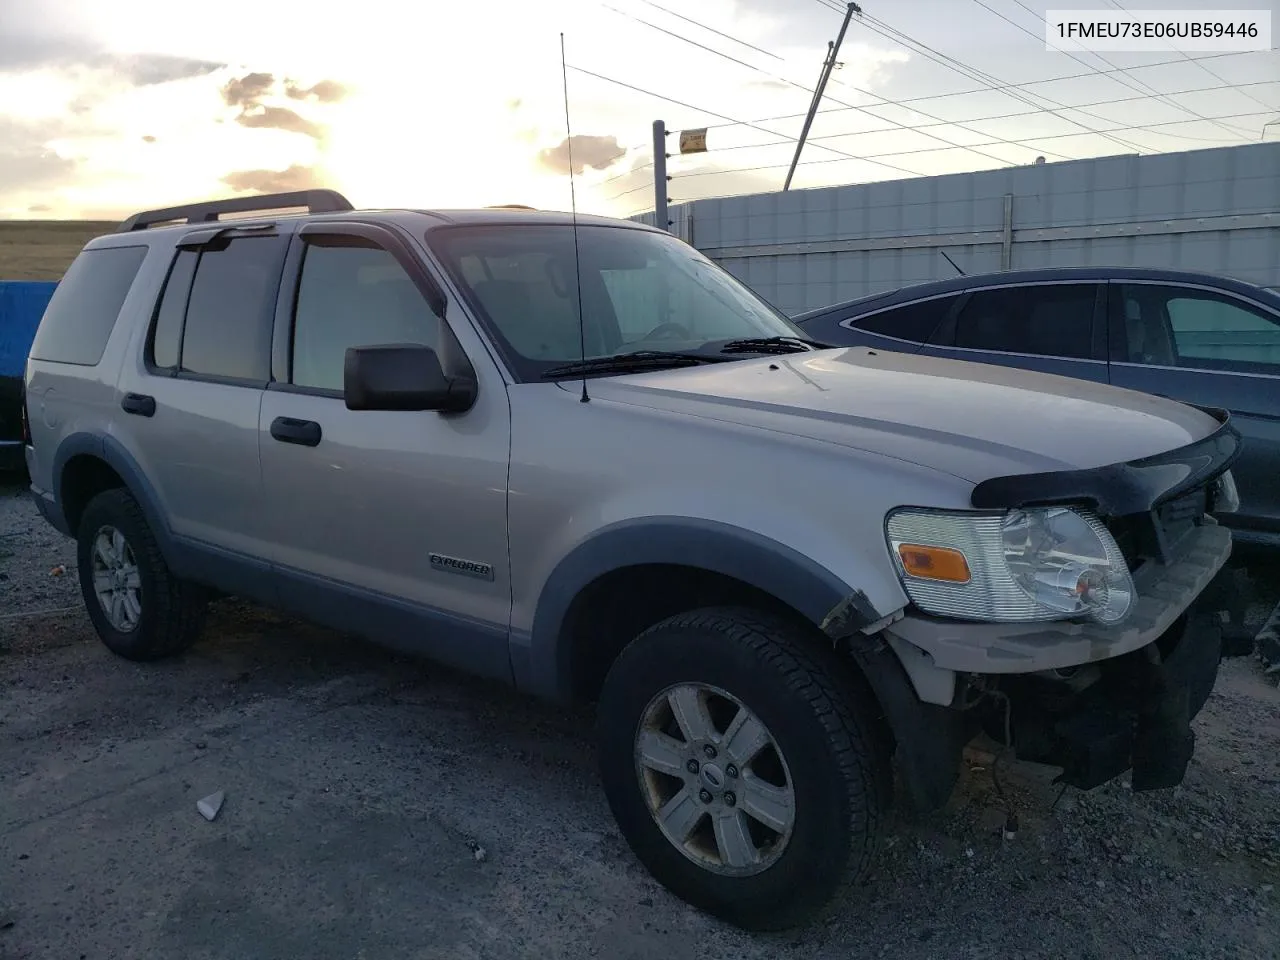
(1092, 699)
(1133, 712)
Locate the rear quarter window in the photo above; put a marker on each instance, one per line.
(82, 313)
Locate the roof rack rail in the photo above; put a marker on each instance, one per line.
(511, 206)
(315, 201)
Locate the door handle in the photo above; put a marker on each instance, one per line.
(139, 404)
(288, 430)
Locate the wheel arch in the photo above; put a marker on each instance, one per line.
(725, 562)
(86, 464)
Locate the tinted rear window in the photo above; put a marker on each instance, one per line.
(915, 322)
(82, 313)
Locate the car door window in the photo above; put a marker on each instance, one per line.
(915, 322)
(214, 316)
(354, 294)
(1187, 327)
(1050, 320)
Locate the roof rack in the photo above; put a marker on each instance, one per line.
(315, 201)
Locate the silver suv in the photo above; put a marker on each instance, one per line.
(579, 458)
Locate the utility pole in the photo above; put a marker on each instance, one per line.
(833, 49)
(660, 197)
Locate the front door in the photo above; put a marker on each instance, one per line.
(1212, 349)
(388, 523)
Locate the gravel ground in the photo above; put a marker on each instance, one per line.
(381, 807)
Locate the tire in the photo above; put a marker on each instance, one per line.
(823, 743)
(168, 612)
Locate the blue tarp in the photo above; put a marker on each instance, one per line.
(22, 305)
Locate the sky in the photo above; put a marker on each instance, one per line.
(108, 108)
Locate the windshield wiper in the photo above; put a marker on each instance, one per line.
(627, 362)
(772, 345)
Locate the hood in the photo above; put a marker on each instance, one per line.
(972, 420)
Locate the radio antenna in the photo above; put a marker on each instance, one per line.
(573, 213)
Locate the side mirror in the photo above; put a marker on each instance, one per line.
(403, 377)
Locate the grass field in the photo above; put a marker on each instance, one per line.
(42, 249)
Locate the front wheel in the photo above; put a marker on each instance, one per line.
(743, 774)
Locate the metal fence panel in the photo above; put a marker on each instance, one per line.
(1215, 210)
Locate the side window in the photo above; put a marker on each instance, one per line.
(1186, 327)
(166, 333)
(353, 295)
(915, 322)
(229, 313)
(1053, 320)
(1222, 332)
(80, 316)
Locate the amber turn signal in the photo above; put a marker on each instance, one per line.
(934, 563)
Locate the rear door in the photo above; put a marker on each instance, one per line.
(1211, 348)
(1054, 327)
(192, 394)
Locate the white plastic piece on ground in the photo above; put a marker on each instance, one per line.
(211, 804)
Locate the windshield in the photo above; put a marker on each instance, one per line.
(641, 291)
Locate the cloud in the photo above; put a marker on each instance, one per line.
(326, 91)
(20, 53)
(39, 208)
(296, 177)
(148, 70)
(26, 161)
(280, 118)
(147, 138)
(251, 90)
(599, 153)
(246, 91)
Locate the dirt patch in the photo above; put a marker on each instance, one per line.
(378, 806)
(43, 249)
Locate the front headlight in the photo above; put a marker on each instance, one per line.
(1042, 563)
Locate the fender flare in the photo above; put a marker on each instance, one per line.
(114, 454)
(759, 561)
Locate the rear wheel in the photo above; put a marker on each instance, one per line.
(740, 771)
(140, 610)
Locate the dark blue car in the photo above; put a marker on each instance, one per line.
(1206, 340)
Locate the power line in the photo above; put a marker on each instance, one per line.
(618, 176)
(895, 153)
(626, 193)
(799, 86)
(917, 151)
(721, 116)
(696, 23)
(946, 60)
(1186, 57)
(1120, 78)
(1142, 127)
(892, 33)
(1151, 128)
(1003, 87)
